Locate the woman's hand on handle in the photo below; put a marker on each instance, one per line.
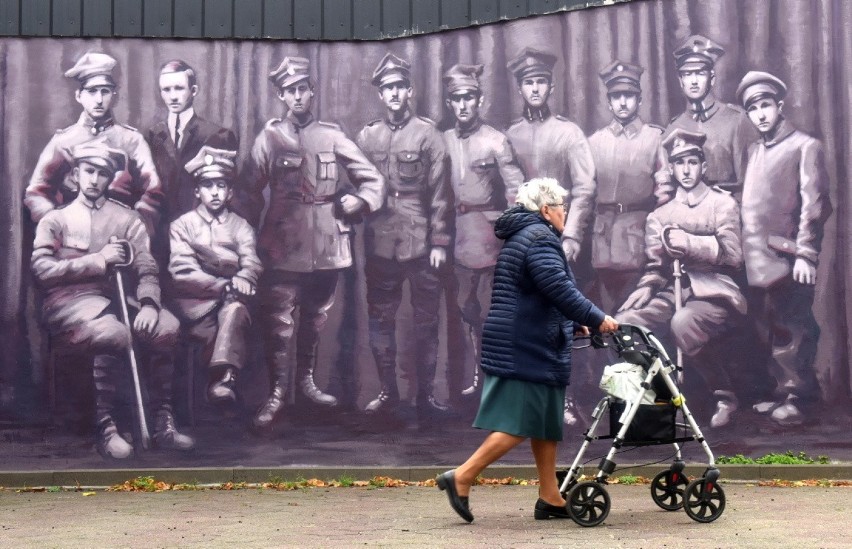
(609, 324)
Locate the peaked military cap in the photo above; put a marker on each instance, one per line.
(391, 69)
(98, 153)
(93, 69)
(756, 84)
(531, 62)
(698, 52)
(684, 142)
(290, 71)
(211, 163)
(619, 76)
(462, 77)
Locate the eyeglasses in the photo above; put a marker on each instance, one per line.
(560, 205)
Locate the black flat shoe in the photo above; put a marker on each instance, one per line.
(447, 482)
(544, 511)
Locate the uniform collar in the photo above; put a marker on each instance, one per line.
(394, 125)
(467, 132)
(702, 111)
(533, 114)
(185, 117)
(291, 118)
(630, 130)
(93, 126)
(92, 205)
(210, 218)
(694, 196)
(782, 132)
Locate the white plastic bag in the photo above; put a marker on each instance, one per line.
(624, 380)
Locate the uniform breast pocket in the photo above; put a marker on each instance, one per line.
(410, 164)
(287, 164)
(484, 166)
(327, 166)
(379, 159)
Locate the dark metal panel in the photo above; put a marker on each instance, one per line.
(248, 18)
(10, 18)
(278, 18)
(367, 19)
(128, 17)
(337, 20)
(35, 18)
(455, 13)
(512, 9)
(544, 6)
(425, 15)
(66, 17)
(396, 17)
(484, 11)
(218, 18)
(188, 22)
(157, 19)
(307, 19)
(97, 17)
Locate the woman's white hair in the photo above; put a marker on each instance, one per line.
(540, 191)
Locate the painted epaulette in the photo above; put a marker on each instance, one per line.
(120, 203)
(428, 120)
(560, 117)
(735, 107)
(719, 189)
(656, 127)
(516, 121)
(60, 131)
(272, 122)
(329, 125)
(128, 127)
(372, 123)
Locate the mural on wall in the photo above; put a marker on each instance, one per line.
(290, 263)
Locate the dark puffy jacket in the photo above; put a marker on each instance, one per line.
(529, 330)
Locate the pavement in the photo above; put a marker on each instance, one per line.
(755, 516)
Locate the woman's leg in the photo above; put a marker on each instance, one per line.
(544, 452)
(492, 448)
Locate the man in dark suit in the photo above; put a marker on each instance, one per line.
(176, 139)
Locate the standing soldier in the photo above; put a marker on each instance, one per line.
(785, 205)
(551, 145)
(304, 240)
(408, 239)
(625, 154)
(52, 183)
(485, 178)
(75, 249)
(726, 126)
(177, 138)
(700, 227)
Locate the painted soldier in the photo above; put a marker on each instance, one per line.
(784, 208)
(52, 183)
(215, 270)
(75, 249)
(176, 140)
(408, 238)
(552, 146)
(625, 154)
(726, 126)
(304, 239)
(700, 227)
(485, 176)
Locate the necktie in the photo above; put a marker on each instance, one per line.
(177, 131)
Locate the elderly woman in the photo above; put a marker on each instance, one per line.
(526, 346)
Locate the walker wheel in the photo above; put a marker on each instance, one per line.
(667, 489)
(588, 503)
(705, 501)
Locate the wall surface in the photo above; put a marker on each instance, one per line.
(49, 401)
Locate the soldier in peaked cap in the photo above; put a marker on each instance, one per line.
(138, 186)
(215, 270)
(700, 227)
(485, 177)
(408, 238)
(552, 146)
(304, 240)
(784, 208)
(726, 126)
(74, 250)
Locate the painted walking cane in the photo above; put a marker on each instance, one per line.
(677, 272)
(145, 436)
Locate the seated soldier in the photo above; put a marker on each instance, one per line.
(700, 227)
(74, 249)
(214, 267)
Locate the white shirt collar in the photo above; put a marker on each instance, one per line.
(185, 117)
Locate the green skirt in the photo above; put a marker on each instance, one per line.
(521, 408)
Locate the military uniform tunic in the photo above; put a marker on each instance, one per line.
(553, 146)
(52, 182)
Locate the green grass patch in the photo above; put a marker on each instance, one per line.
(772, 458)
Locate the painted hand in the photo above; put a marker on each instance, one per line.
(638, 299)
(804, 272)
(146, 320)
(571, 248)
(242, 286)
(437, 257)
(351, 203)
